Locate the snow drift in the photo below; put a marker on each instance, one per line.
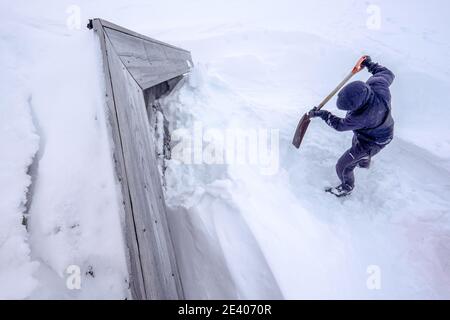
(239, 233)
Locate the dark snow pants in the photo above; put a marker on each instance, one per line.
(360, 153)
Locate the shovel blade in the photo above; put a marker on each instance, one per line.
(301, 130)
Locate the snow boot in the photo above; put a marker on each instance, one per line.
(340, 191)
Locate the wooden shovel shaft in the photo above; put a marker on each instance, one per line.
(305, 120)
(331, 95)
(303, 124)
(357, 68)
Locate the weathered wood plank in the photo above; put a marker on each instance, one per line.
(148, 61)
(138, 159)
(153, 265)
(137, 287)
(110, 25)
(150, 82)
(156, 52)
(127, 46)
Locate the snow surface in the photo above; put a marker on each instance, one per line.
(280, 235)
(238, 233)
(52, 110)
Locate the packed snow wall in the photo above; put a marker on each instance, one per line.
(137, 71)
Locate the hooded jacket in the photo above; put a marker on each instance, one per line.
(368, 106)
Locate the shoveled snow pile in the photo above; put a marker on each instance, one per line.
(250, 224)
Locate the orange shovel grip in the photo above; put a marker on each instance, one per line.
(358, 67)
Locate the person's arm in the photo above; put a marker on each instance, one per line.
(381, 75)
(340, 124)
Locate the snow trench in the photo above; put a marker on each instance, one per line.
(239, 233)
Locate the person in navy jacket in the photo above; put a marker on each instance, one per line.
(368, 106)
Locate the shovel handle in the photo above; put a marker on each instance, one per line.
(331, 95)
(305, 120)
(357, 68)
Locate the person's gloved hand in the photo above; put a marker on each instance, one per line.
(367, 62)
(314, 112)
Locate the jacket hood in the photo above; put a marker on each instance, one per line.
(353, 96)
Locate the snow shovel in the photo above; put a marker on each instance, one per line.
(305, 120)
